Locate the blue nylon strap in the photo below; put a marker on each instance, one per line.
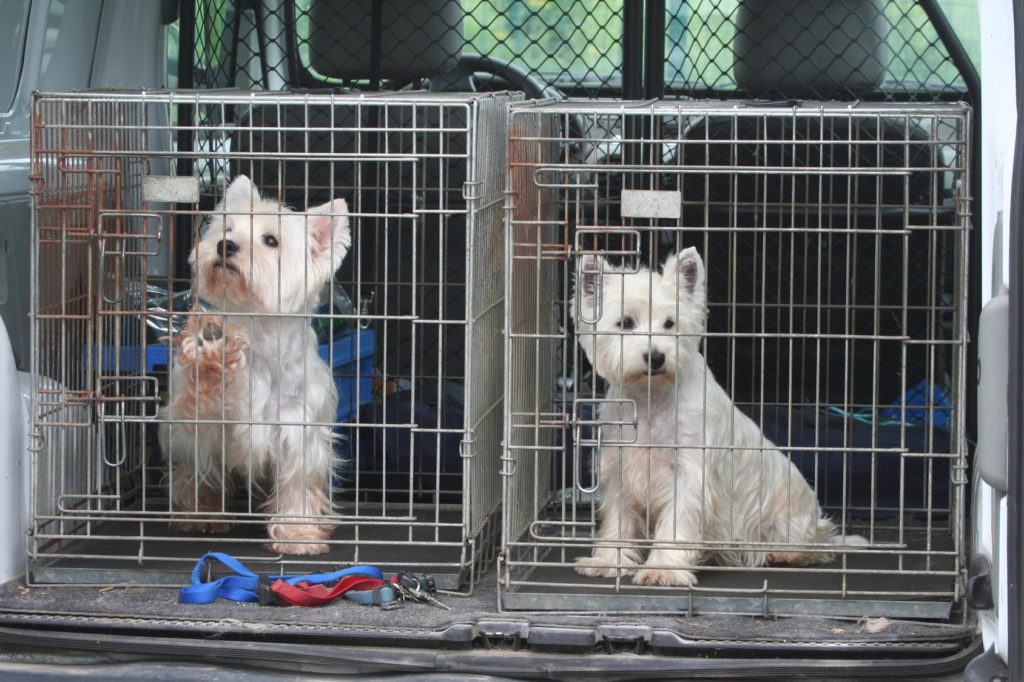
(377, 596)
(368, 571)
(239, 587)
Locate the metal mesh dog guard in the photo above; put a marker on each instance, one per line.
(833, 238)
(578, 46)
(410, 325)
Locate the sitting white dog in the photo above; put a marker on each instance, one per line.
(250, 397)
(694, 469)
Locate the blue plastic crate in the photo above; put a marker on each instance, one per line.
(350, 357)
(924, 403)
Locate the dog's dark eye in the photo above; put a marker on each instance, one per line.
(270, 240)
(626, 323)
(669, 323)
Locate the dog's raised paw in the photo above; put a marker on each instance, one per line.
(211, 332)
(188, 345)
(235, 342)
(197, 337)
(657, 576)
(221, 346)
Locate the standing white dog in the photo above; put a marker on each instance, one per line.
(249, 395)
(694, 469)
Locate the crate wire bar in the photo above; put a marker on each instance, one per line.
(833, 237)
(418, 423)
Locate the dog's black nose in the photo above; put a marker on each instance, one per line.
(655, 359)
(227, 248)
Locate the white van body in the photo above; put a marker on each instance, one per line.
(998, 126)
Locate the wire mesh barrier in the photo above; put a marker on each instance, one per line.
(880, 49)
(323, 381)
(822, 50)
(735, 357)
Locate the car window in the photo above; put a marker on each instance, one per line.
(963, 17)
(577, 45)
(577, 42)
(12, 48)
(700, 34)
(69, 44)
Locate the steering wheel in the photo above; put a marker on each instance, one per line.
(491, 74)
(477, 73)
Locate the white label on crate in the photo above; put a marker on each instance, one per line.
(650, 203)
(171, 188)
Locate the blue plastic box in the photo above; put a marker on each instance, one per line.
(350, 356)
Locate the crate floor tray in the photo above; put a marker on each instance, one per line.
(148, 552)
(916, 581)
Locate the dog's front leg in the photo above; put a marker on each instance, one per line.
(676, 522)
(300, 501)
(195, 492)
(206, 383)
(619, 523)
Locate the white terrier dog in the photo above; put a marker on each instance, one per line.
(263, 397)
(694, 469)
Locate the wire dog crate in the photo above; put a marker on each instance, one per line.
(123, 184)
(833, 241)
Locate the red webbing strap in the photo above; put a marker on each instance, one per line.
(316, 594)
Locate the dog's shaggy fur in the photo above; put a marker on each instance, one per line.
(263, 398)
(694, 471)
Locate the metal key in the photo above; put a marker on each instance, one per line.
(412, 587)
(434, 600)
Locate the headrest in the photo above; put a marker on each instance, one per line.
(810, 48)
(414, 39)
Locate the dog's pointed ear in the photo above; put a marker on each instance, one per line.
(685, 270)
(329, 234)
(240, 196)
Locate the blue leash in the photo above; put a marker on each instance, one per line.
(240, 587)
(244, 585)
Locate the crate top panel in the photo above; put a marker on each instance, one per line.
(268, 98)
(738, 108)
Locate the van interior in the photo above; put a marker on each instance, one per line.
(827, 161)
